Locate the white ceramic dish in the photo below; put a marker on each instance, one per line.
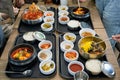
(47, 67)
(74, 25)
(44, 55)
(63, 13)
(62, 7)
(86, 32)
(49, 19)
(69, 37)
(45, 44)
(46, 26)
(66, 45)
(63, 19)
(39, 36)
(49, 13)
(74, 55)
(94, 66)
(28, 36)
(71, 67)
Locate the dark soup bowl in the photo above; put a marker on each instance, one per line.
(81, 13)
(22, 54)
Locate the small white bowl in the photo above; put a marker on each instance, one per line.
(49, 13)
(94, 66)
(62, 7)
(46, 26)
(39, 36)
(71, 55)
(66, 45)
(44, 55)
(49, 19)
(69, 37)
(63, 19)
(47, 67)
(28, 36)
(74, 25)
(86, 32)
(63, 13)
(72, 65)
(45, 44)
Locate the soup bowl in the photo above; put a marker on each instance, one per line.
(22, 54)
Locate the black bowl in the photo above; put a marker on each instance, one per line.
(84, 16)
(18, 62)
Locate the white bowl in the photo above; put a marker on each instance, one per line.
(63, 13)
(28, 36)
(74, 25)
(94, 66)
(47, 67)
(49, 13)
(39, 36)
(45, 44)
(71, 55)
(46, 26)
(63, 19)
(44, 55)
(66, 45)
(69, 37)
(49, 19)
(86, 32)
(62, 7)
(71, 67)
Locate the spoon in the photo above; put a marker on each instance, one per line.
(25, 73)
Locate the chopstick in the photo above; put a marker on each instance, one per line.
(79, 3)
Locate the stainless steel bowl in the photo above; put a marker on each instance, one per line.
(88, 55)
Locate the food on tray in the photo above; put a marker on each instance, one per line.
(33, 13)
(63, 19)
(28, 36)
(85, 34)
(62, 7)
(94, 66)
(47, 67)
(63, 13)
(46, 26)
(39, 36)
(44, 55)
(49, 13)
(45, 46)
(79, 11)
(66, 45)
(49, 19)
(92, 47)
(22, 53)
(75, 66)
(71, 55)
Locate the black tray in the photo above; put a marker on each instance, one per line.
(23, 27)
(34, 66)
(63, 64)
(64, 28)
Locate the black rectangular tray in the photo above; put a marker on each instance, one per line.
(34, 66)
(63, 71)
(23, 27)
(64, 28)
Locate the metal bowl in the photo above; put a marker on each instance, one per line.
(26, 61)
(84, 16)
(31, 21)
(85, 51)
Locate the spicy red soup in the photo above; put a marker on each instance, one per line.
(75, 67)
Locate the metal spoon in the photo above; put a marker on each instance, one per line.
(25, 73)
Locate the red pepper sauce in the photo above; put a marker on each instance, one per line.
(75, 67)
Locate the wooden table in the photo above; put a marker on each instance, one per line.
(98, 26)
